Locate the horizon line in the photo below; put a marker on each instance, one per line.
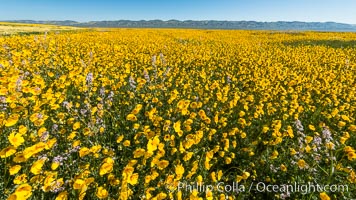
(200, 20)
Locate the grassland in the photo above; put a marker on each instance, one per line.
(8, 28)
(153, 113)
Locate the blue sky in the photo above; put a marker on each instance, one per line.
(259, 10)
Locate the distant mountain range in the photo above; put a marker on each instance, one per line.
(206, 24)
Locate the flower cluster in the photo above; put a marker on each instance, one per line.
(131, 114)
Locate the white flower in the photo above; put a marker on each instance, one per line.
(132, 82)
(327, 134)
(146, 76)
(89, 78)
(298, 124)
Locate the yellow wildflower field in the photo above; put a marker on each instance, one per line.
(9, 28)
(178, 114)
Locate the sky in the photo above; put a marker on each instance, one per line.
(235, 10)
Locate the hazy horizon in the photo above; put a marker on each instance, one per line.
(176, 20)
(198, 10)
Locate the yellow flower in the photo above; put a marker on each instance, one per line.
(62, 196)
(274, 155)
(22, 129)
(242, 113)
(133, 179)
(137, 109)
(188, 156)
(131, 117)
(301, 164)
(352, 128)
(290, 132)
(16, 139)
(127, 143)
(76, 143)
(88, 181)
(343, 140)
(136, 126)
(19, 158)
(95, 149)
(41, 131)
(55, 165)
(8, 151)
(242, 121)
(324, 196)
(222, 197)
(265, 129)
(112, 180)
(78, 184)
(86, 131)
(193, 105)
(351, 155)
(34, 149)
(228, 160)
(348, 149)
(37, 179)
(102, 129)
(50, 182)
(37, 166)
(24, 191)
(102, 193)
(308, 139)
(50, 143)
(199, 179)
(84, 151)
(308, 149)
(109, 160)
(153, 144)
(330, 145)
(179, 171)
(20, 179)
(162, 164)
(311, 127)
(76, 125)
(106, 168)
(268, 179)
(139, 153)
(213, 176)
(12, 120)
(201, 113)
(292, 151)
(220, 173)
(119, 139)
(176, 126)
(161, 196)
(209, 195)
(128, 171)
(245, 175)
(346, 118)
(341, 124)
(14, 169)
(283, 167)
(352, 177)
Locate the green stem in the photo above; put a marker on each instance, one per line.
(323, 170)
(331, 166)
